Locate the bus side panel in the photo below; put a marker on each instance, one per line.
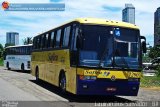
(63, 64)
(50, 63)
(33, 68)
(71, 80)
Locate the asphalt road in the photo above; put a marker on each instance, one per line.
(21, 90)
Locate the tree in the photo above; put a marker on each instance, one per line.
(9, 44)
(154, 52)
(1, 50)
(27, 40)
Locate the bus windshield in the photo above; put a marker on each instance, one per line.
(106, 46)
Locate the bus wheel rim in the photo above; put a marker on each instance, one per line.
(63, 83)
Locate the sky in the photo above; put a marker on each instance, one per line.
(31, 23)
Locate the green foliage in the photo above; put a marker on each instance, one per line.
(1, 61)
(146, 59)
(154, 52)
(9, 44)
(1, 50)
(27, 40)
(150, 81)
(158, 71)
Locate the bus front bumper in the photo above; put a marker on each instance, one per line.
(107, 87)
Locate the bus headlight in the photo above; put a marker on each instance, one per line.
(82, 77)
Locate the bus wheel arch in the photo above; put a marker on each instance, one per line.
(62, 81)
(37, 73)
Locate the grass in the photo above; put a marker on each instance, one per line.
(1, 62)
(150, 82)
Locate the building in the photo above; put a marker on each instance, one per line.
(12, 38)
(128, 14)
(157, 27)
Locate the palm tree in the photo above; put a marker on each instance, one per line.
(27, 40)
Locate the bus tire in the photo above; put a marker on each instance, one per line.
(37, 74)
(8, 66)
(62, 82)
(22, 67)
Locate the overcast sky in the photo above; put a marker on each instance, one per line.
(32, 23)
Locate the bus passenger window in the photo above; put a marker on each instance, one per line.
(66, 36)
(41, 41)
(49, 40)
(46, 41)
(52, 40)
(58, 36)
(38, 42)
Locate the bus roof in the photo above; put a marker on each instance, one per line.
(18, 46)
(98, 21)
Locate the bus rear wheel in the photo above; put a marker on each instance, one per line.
(8, 66)
(22, 67)
(62, 82)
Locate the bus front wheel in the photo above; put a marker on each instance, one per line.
(37, 74)
(62, 82)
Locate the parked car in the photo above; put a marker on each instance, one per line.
(149, 71)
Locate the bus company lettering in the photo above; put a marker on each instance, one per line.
(92, 72)
(52, 57)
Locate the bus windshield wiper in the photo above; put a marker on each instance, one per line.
(103, 56)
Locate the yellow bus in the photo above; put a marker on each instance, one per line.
(90, 56)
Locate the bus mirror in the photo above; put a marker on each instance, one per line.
(144, 47)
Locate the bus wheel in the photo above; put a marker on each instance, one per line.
(8, 66)
(22, 67)
(37, 74)
(62, 82)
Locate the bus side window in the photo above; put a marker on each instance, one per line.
(61, 38)
(58, 36)
(49, 40)
(38, 42)
(67, 31)
(52, 39)
(41, 41)
(74, 37)
(30, 50)
(34, 43)
(19, 50)
(14, 50)
(46, 41)
(22, 50)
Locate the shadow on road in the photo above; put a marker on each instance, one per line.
(20, 71)
(80, 98)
